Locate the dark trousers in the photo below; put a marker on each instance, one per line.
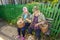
(23, 29)
(37, 32)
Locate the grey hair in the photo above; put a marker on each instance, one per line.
(25, 8)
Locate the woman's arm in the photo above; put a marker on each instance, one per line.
(41, 19)
(42, 22)
(30, 18)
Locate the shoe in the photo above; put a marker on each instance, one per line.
(18, 36)
(22, 38)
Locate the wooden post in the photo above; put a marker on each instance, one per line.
(0, 2)
(16, 2)
(23, 1)
(9, 1)
(27, 1)
(30, 0)
(6, 1)
(3, 2)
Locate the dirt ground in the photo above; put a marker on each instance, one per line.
(8, 32)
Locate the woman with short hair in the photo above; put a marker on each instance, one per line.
(25, 16)
(37, 18)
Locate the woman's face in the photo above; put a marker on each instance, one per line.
(36, 13)
(25, 10)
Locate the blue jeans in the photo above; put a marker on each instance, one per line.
(23, 29)
(37, 32)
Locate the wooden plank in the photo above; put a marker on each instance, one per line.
(54, 14)
(30, 1)
(16, 2)
(58, 30)
(53, 31)
(0, 2)
(27, 1)
(23, 1)
(55, 23)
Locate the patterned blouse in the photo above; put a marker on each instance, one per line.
(35, 21)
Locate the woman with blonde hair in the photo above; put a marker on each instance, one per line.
(37, 18)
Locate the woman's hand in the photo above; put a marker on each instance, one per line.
(39, 24)
(36, 25)
(28, 20)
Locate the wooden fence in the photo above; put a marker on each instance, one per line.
(54, 13)
(4, 2)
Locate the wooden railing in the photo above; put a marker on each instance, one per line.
(4, 2)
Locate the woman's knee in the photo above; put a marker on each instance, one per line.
(30, 30)
(38, 32)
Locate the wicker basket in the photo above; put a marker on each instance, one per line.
(30, 37)
(21, 23)
(44, 27)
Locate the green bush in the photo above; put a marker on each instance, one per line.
(10, 12)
